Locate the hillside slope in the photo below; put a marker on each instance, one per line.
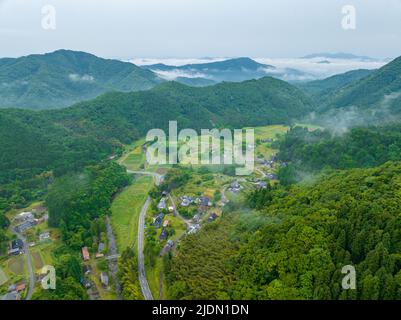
(67, 139)
(65, 77)
(321, 90)
(380, 92)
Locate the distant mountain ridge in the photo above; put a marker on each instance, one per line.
(64, 77)
(231, 70)
(338, 55)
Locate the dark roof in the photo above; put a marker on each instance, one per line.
(17, 244)
(204, 201)
(159, 220)
(163, 235)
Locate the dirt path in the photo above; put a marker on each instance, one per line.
(113, 263)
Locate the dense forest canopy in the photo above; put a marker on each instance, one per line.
(76, 201)
(309, 152)
(296, 246)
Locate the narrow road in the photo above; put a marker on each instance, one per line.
(264, 175)
(113, 263)
(147, 294)
(158, 177)
(223, 194)
(187, 222)
(29, 265)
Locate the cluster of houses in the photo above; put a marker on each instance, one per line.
(104, 280)
(186, 201)
(196, 226)
(44, 236)
(104, 277)
(27, 221)
(267, 140)
(14, 292)
(17, 247)
(163, 203)
(271, 176)
(167, 248)
(99, 254)
(268, 163)
(235, 187)
(261, 184)
(159, 222)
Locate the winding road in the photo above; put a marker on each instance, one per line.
(158, 177)
(29, 265)
(187, 222)
(147, 294)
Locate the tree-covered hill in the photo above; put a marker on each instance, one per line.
(68, 139)
(64, 77)
(379, 92)
(297, 245)
(254, 102)
(307, 152)
(321, 90)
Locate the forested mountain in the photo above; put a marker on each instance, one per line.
(297, 245)
(68, 139)
(65, 77)
(379, 93)
(232, 70)
(321, 90)
(307, 153)
(78, 204)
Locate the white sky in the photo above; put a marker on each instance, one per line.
(201, 28)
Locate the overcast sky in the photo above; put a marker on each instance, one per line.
(201, 28)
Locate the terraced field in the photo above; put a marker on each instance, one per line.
(125, 211)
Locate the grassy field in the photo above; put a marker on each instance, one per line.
(17, 265)
(178, 225)
(269, 131)
(12, 270)
(42, 254)
(133, 157)
(125, 211)
(156, 280)
(135, 160)
(3, 277)
(264, 149)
